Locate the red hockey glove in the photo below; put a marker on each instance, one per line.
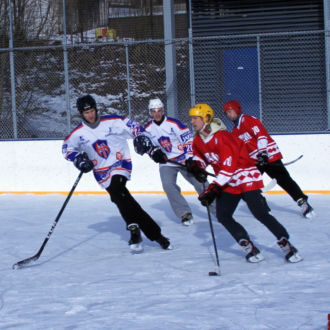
(210, 194)
(196, 170)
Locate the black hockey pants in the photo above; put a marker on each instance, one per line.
(130, 209)
(227, 204)
(276, 170)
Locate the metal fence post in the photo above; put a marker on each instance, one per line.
(12, 70)
(326, 10)
(66, 70)
(128, 81)
(259, 78)
(191, 61)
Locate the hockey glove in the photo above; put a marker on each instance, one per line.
(142, 144)
(210, 194)
(83, 163)
(262, 158)
(195, 169)
(158, 155)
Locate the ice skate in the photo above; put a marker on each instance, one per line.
(291, 253)
(253, 253)
(187, 219)
(135, 243)
(164, 243)
(306, 209)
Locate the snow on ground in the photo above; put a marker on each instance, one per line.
(86, 278)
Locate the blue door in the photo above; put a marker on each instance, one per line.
(241, 78)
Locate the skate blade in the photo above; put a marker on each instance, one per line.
(310, 215)
(295, 258)
(257, 258)
(136, 248)
(188, 223)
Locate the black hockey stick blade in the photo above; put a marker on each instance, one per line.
(25, 262)
(216, 272)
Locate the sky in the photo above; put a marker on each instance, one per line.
(87, 278)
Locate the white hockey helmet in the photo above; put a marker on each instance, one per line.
(155, 104)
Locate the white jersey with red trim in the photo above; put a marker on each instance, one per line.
(235, 171)
(173, 137)
(250, 130)
(106, 145)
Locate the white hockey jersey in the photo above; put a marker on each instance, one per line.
(173, 137)
(106, 145)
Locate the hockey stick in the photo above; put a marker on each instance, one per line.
(293, 161)
(269, 186)
(217, 268)
(24, 262)
(182, 165)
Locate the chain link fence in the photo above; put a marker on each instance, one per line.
(280, 78)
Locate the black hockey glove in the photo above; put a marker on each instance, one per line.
(195, 169)
(262, 158)
(142, 144)
(158, 155)
(210, 194)
(83, 163)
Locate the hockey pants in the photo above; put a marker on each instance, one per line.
(227, 204)
(130, 209)
(276, 170)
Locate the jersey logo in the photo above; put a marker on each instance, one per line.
(245, 137)
(165, 142)
(212, 158)
(102, 148)
(82, 140)
(186, 136)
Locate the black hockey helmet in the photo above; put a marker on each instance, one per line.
(85, 102)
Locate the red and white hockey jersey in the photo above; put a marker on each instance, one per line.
(250, 130)
(173, 137)
(106, 145)
(235, 170)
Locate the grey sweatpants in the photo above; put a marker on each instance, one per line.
(169, 175)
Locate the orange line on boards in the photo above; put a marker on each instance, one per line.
(271, 192)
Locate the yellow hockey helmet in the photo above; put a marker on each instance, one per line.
(202, 110)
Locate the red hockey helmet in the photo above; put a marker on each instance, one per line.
(233, 105)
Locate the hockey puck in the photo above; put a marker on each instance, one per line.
(213, 274)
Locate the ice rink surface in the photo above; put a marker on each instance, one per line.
(87, 278)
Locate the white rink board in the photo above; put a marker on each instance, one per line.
(38, 166)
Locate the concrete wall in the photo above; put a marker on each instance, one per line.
(38, 166)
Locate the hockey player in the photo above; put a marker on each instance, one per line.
(236, 178)
(99, 143)
(175, 139)
(264, 151)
